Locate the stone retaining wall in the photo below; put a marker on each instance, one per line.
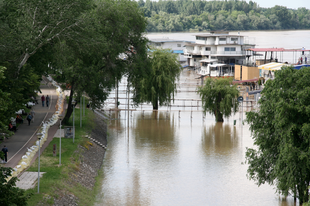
(91, 160)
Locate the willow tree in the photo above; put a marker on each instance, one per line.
(159, 83)
(219, 97)
(281, 133)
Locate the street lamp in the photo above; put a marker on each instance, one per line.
(39, 137)
(60, 118)
(73, 104)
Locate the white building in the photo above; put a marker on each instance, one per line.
(218, 48)
(177, 46)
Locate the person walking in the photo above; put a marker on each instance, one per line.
(32, 114)
(43, 100)
(29, 117)
(6, 152)
(14, 126)
(47, 100)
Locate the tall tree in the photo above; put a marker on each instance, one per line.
(159, 84)
(101, 52)
(219, 97)
(5, 104)
(30, 25)
(281, 133)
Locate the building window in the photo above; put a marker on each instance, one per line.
(222, 39)
(208, 48)
(234, 38)
(201, 38)
(157, 44)
(178, 45)
(230, 48)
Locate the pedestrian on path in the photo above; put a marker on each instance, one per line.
(14, 126)
(6, 152)
(47, 100)
(43, 100)
(32, 114)
(29, 117)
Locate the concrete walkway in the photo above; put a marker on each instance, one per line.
(26, 137)
(28, 180)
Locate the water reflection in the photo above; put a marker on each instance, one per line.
(219, 138)
(155, 130)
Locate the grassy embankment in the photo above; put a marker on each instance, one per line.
(54, 182)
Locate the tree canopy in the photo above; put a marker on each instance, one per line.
(158, 85)
(219, 97)
(92, 62)
(187, 15)
(281, 133)
(76, 41)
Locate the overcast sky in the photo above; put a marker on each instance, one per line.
(293, 4)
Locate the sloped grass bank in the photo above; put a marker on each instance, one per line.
(76, 181)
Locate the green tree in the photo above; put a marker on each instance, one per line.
(281, 133)
(5, 103)
(159, 83)
(10, 194)
(30, 25)
(93, 61)
(219, 97)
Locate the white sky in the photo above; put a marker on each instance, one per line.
(292, 4)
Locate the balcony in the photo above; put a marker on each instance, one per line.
(231, 53)
(192, 52)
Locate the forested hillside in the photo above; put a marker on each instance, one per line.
(199, 15)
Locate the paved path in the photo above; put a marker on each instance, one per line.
(26, 135)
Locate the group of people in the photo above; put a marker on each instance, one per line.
(30, 115)
(43, 99)
(20, 120)
(301, 60)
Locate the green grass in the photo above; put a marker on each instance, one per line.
(54, 181)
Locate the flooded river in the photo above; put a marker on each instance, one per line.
(178, 156)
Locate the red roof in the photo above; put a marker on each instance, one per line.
(276, 50)
(267, 49)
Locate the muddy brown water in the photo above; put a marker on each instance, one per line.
(178, 156)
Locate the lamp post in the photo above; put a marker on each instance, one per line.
(39, 137)
(60, 118)
(73, 104)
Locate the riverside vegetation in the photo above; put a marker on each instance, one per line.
(199, 15)
(77, 181)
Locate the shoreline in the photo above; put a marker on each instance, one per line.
(89, 158)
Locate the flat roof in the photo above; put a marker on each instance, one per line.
(275, 50)
(212, 35)
(209, 60)
(169, 40)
